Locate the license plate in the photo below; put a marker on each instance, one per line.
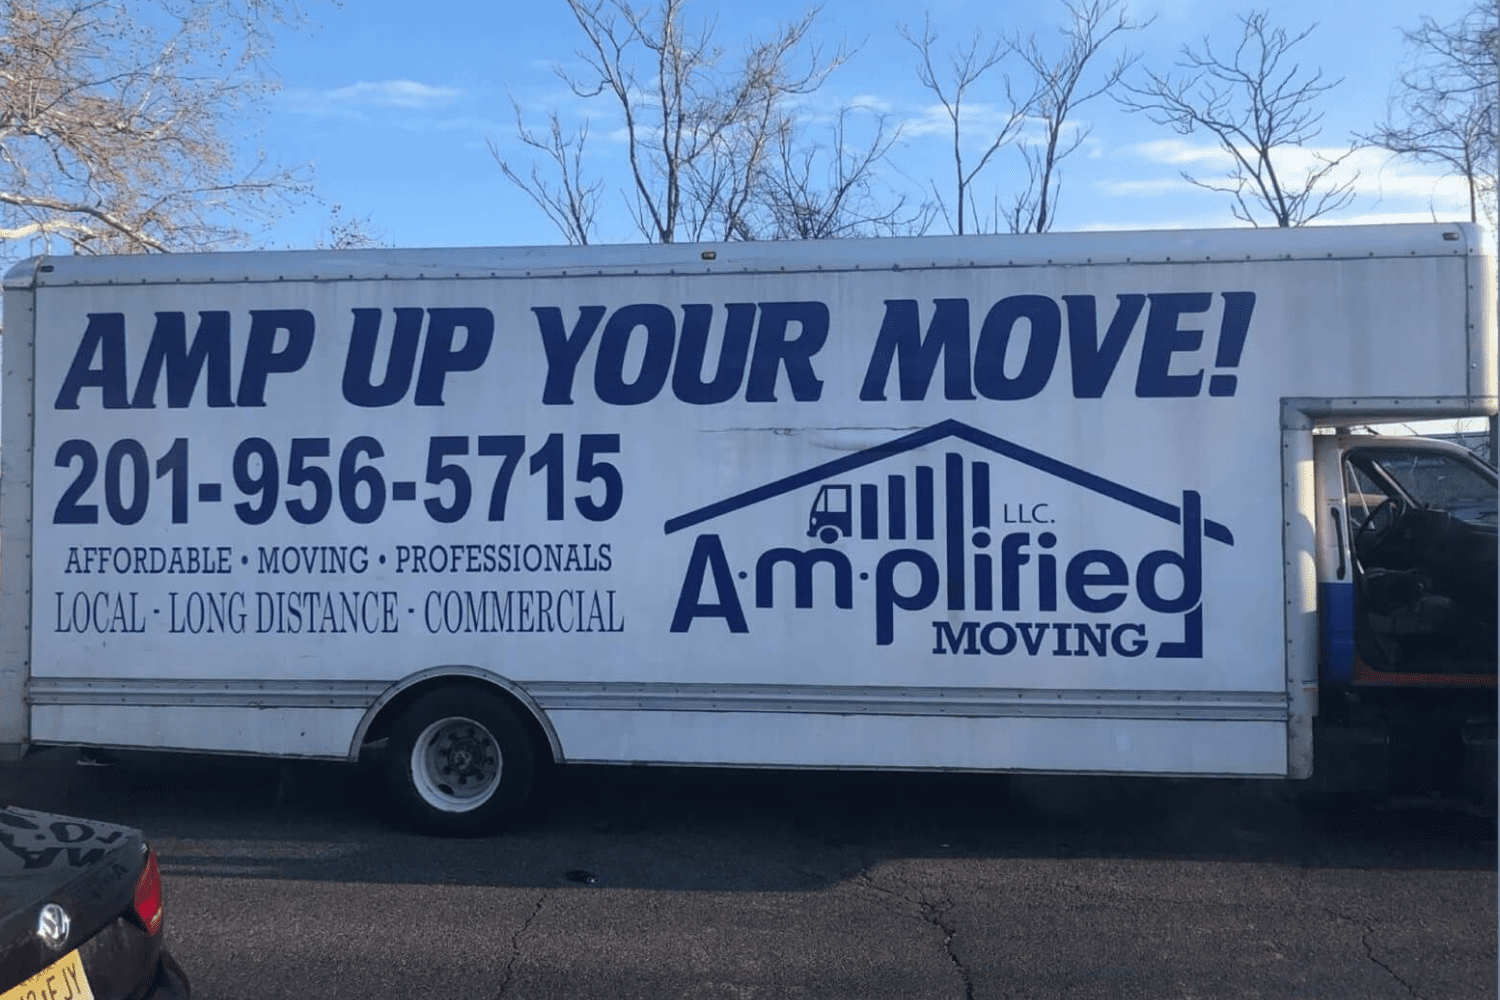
(62, 980)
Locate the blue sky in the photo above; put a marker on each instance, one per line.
(393, 106)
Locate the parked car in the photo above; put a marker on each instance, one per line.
(81, 912)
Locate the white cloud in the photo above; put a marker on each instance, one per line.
(394, 94)
(872, 102)
(355, 100)
(1212, 220)
(1150, 186)
(980, 122)
(1390, 178)
(1385, 186)
(1388, 218)
(1181, 153)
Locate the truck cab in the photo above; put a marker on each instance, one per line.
(1408, 611)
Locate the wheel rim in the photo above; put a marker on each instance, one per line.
(455, 764)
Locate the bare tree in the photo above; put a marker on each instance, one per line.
(814, 190)
(1258, 104)
(1443, 109)
(346, 232)
(119, 122)
(698, 124)
(952, 85)
(723, 183)
(571, 203)
(1061, 90)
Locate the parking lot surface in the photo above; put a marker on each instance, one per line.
(283, 879)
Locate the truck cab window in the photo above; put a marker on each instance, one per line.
(1424, 547)
(1442, 482)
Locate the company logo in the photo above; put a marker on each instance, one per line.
(930, 538)
(53, 925)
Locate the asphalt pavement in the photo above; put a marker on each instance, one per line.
(285, 879)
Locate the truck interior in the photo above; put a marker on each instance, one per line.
(1423, 526)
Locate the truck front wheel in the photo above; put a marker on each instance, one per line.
(459, 763)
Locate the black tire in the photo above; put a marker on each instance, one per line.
(473, 769)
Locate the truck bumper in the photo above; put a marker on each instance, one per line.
(1373, 758)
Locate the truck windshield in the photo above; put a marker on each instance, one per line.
(1436, 481)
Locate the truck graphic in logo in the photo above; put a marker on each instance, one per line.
(1001, 579)
(831, 517)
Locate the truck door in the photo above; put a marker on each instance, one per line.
(1415, 551)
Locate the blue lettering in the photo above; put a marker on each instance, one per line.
(168, 352)
(1135, 648)
(759, 367)
(775, 352)
(103, 337)
(1097, 638)
(964, 637)
(708, 559)
(400, 360)
(802, 564)
(986, 639)
(1164, 339)
(439, 358)
(1079, 579)
(1000, 638)
(1191, 646)
(687, 374)
(1094, 362)
(99, 361)
(262, 358)
(1033, 640)
(1232, 331)
(1045, 323)
(1189, 564)
(901, 341)
(1011, 561)
(888, 598)
(564, 350)
(609, 370)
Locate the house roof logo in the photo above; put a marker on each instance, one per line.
(947, 429)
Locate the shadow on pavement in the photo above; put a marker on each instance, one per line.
(727, 830)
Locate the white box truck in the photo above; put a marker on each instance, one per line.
(1074, 503)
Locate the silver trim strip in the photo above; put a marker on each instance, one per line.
(1299, 554)
(17, 443)
(230, 693)
(1269, 706)
(797, 699)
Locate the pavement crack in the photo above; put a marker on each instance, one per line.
(1367, 930)
(515, 945)
(868, 880)
(1370, 954)
(936, 914)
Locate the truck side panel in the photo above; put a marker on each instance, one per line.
(1058, 480)
(1167, 747)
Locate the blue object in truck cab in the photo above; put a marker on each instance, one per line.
(1336, 598)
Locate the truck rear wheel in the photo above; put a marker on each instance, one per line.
(459, 763)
